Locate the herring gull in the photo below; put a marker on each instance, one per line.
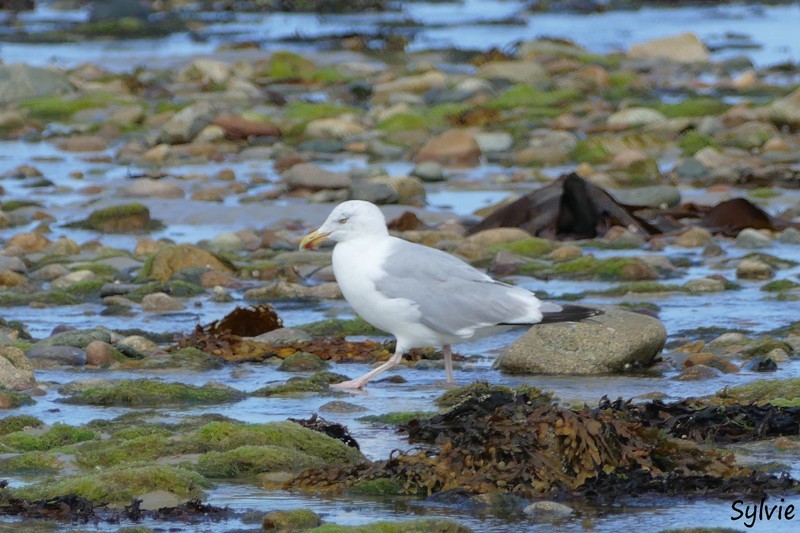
(421, 295)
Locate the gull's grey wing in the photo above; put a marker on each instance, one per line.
(452, 297)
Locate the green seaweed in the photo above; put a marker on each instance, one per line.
(250, 460)
(149, 392)
(58, 435)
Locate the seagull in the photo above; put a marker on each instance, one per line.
(421, 295)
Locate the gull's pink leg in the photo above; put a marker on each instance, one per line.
(448, 363)
(361, 382)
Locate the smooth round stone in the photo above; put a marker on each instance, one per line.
(754, 270)
(429, 171)
(283, 336)
(158, 302)
(704, 285)
(341, 407)
(548, 508)
(752, 239)
(99, 353)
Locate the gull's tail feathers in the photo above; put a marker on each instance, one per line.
(569, 313)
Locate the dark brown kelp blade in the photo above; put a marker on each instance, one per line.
(247, 321)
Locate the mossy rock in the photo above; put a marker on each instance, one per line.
(226, 436)
(170, 260)
(252, 460)
(303, 362)
(341, 327)
(780, 285)
(87, 288)
(12, 424)
(381, 486)
(79, 338)
(12, 399)
(778, 392)
(62, 107)
(58, 435)
(126, 218)
(289, 66)
(404, 122)
(481, 389)
(117, 486)
(52, 297)
(524, 96)
(185, 359)
(693, 141)
(590, 151)
(433, 525)
(693, 107)
(318, 383)
(30, 463)
(766, 345)
(533, 247)
(105, 453)
(176, 289)
(641, 287)
(609, 268)
(148, 392)
(294, 520)
(396, 418)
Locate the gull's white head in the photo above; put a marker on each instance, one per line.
(349, 220)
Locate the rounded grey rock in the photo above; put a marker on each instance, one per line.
(612, 342)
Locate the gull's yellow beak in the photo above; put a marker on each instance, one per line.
(312, 239)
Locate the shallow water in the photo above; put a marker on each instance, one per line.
(471, 25)
(762, 32)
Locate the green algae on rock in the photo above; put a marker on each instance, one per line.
(170, 260)
(126, 218)
(303, 362)
(149, 392)
(226, 436)
(250, 460)
(14, 423)
(341, 327)
(294, 520)
(778, 392)
(56, 436)
(31, 463)
(117, 486)
(13, 399)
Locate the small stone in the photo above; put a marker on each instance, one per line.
(695, 237)
(56, 355)
(553, 509)
(636, 116)
(72, 278)
(283, 336)
(753, 269)
(761, 364)
(141, 344)
(494, 141)
(567, 252)
(28, 242)
(315, 178)
(99, 353)
(683, 48)
(149, 188)
(752, 239)
(704, 285)
(159, 302)
(453, 148)
(429, 171)
(303, 362)
(83, 143)
(16, 371)
(790, 235)
(341, 407)
(698, 372)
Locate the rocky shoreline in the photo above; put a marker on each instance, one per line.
(146, 193)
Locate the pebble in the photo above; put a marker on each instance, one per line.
(753, 269)
(158, 302)
(752, 239)
(99, 353)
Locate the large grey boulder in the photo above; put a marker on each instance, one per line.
(21, 82)
(612, 342)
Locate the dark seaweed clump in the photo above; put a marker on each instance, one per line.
(507, 441)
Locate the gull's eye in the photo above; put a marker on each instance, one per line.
(342, 220)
